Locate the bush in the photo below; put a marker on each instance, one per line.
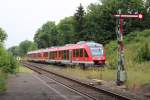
(8, 63)
(144, 53)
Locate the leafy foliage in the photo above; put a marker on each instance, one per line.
(137, 50)
(26, 46)
(79, 23)
(3, 36)
(46, 36)
(144, 53)
(7, 62)
(23, 48)
(14, 50)
(66, 31)
(101, 22)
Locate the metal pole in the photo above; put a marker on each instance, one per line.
(121, 73)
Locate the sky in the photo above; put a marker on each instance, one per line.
(21, 18)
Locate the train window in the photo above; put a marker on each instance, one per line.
(64, 55)
(45, 54)
(85, 53)
(73, 53)
(55, 54)
(67, 54)
(77, 52)
(36, 55)
(39, 55)
(49, 55)
(59, 53)
(33, 55)
(81, 52)
(52, 55)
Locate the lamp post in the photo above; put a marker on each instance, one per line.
(121, 72)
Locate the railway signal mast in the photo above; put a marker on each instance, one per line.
(121, 72)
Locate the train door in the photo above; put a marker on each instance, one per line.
(70, 55)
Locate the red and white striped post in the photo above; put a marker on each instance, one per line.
(121, 72)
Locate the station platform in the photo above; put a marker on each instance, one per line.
(32, 86)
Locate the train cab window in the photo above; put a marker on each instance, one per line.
(81, 52)
(85, 53)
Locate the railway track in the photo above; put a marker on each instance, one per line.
(81, 88)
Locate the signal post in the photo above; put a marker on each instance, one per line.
(121, 72)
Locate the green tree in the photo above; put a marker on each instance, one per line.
(26, 46)
(143, 53)
(46, 36)
(14, 50)
(66, 31)
(100, 22)
(3, 36)
(8, 63)
(79, 23)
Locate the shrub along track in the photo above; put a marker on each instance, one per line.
(78, 86)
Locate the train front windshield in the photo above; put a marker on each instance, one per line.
(96, 51)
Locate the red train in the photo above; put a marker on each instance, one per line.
(84, 53)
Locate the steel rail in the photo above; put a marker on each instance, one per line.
(32, 66)
(72, 89)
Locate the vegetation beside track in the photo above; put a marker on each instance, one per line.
(3, 77)
(137, 57)
(135, 78)
(8, 64)
(22, 69)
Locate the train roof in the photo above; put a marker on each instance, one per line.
(78, 45)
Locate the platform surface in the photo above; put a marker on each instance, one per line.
(31, 86)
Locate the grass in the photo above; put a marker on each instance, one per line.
(135, 77)
(22, 69)
(92, 73)
(3, 77)
(138, 71)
